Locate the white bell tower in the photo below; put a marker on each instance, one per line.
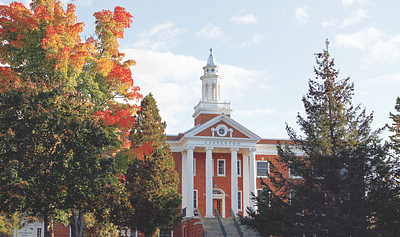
(211, 104)
(211, 81)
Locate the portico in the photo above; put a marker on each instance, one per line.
(227, 167)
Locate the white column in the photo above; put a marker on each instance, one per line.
(184, 180)
(190, 181)
(209, 182)
(253, 174)
(210, 92)
(246, 184)
(234, 180)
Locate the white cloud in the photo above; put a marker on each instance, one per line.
(245, 19)
(233, 85)
(174, 82)
(211, 31)
(331, 23)
(172, 79)
(363, 39)
(255, 39)
(254, 113)
(378, 46)
(301, 15)
(387, 80)
(355, 17)
(161, 37)
(85, 2)
(346, 3)
(27, 3)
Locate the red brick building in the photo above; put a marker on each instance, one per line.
(219, 161)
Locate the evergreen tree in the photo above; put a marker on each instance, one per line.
(152, 182)
(342, 163)
(386, 193)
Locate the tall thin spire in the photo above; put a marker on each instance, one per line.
(210, 61)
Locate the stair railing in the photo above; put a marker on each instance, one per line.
(236, 223)
(202, 222)
(220, 223)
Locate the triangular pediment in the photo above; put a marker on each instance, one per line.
(223, 127)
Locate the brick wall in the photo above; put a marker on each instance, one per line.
(61, 231)
(208, 133)
(202, 118)
(272, 159)
(191, 227)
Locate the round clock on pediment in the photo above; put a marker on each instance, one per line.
(222, 130)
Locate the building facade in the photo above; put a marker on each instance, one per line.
(219, 161)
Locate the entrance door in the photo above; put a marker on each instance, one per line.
(217, 204)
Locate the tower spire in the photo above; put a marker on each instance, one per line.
(210, 61)
(211, 102)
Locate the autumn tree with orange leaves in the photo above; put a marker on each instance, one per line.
(61, 128)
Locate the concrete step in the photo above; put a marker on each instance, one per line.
(213, 229)
(230, 227)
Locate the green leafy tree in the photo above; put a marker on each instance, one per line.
(52, 159)
(61, 128)
(342, 163)
(152, 182)
(8, 223)
(95, 228)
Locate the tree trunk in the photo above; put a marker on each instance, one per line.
(76, 223)
(148, 234)
(73, 224)
(80, 223)
(48, 226)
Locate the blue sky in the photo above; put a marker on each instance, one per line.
(265, 50)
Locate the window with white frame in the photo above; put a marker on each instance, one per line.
(262, 168)
(221, 167)
(239, 200)
(195, 198)
(239, 167)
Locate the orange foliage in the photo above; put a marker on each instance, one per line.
(141, 152)
(122, 75)
(122, 118)
(8, 78)
(65, 55)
